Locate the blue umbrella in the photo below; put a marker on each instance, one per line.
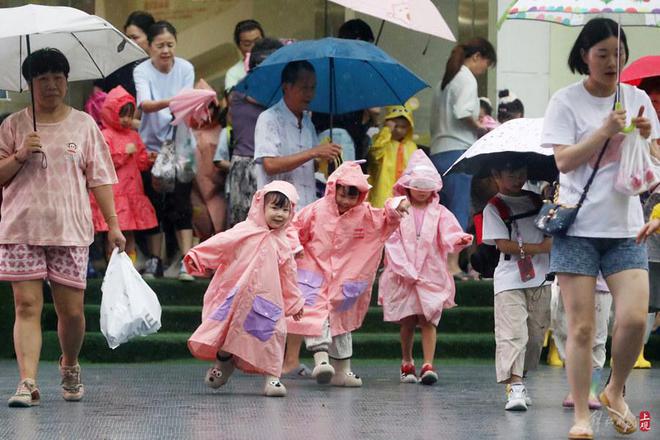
(350, 75)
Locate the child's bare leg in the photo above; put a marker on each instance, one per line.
(292, 353)
(407, 334)
(130, 242)
(428, 340)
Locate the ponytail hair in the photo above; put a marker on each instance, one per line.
(462, 51)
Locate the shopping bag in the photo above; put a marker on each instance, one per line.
(184, 152)
(638, 170)
(129, 307)
(163, 171)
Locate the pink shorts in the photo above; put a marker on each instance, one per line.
(66, 265)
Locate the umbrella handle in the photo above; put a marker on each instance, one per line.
(631, 127)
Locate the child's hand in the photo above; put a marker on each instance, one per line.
(390, 124)
(648, 229)
(464, 241)
(152, 155)
(299, 315)
(130, 148)
(403, 207)
(299, 254)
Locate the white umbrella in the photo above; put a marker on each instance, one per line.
(93, 47)
(515, 137)
(418, 15)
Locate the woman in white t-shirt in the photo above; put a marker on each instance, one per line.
(578, 123)
(157, 81)
(455, 124)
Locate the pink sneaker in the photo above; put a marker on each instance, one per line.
(27, 395)
(72, 388)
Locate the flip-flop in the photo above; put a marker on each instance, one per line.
(581, 434)
(625, 423)
(302, 371)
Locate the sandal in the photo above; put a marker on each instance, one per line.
(580, 433)
(625, 423)
(302, 371)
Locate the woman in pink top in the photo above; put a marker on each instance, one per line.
(46, 224)
(416, 284)
(253, 289)
(342, 237)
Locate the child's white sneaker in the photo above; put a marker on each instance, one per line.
(274, 388)
(219, 373)
(516, 397)
(344, 377)
(323, 371)
(408, 373)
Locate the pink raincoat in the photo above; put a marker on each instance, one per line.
(134, 210)
(416, 280)
(341, 254)
(253, 289)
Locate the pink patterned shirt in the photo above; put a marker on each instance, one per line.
(50, 206)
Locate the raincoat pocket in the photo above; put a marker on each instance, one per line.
(352, 291)
(220, 314)
(262, 318)
(309, 284)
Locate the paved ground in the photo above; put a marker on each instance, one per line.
(170, 401)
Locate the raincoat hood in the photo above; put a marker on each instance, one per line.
(257, 215)
(116, 99)
(348, 174)
(420, 174)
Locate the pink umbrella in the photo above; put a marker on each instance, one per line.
(418, 15)
(192, 105)
(645, 67)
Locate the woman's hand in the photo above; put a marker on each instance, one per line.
(642, 123)
(614, 123)
(648, 229)
(116, 237)
(31, 144)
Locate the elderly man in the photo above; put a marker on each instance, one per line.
(285, 140)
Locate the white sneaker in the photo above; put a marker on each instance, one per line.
(516, 397)
(184, 275)
(219, 373)
(274, 388)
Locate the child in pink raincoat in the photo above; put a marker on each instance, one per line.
(342, 237)
(129, 155)
(416, 284)
(253, 289)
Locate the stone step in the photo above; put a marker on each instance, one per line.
(166, 346)
(188, 318)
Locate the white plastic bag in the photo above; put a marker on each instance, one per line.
(638, 170)
(129, 307)
(163, 171)
(185, 162)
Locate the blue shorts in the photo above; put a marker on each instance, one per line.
(455, 193)
(588, 256)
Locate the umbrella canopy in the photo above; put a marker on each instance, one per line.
(518, 136)
(576, 13)
(418, 15)
(645, 67)
(93, 46)
(193, 105)
(350, 75)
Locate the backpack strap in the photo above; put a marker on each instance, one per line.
(505, 214)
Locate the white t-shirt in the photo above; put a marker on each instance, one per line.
(457, 101)
(507, 275)
(235, 74)
(153, 85)
(572, 115)
(277, 134)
